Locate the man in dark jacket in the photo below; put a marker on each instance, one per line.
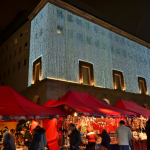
(39, 140)
(75, 137)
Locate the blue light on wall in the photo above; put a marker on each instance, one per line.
(84, 40)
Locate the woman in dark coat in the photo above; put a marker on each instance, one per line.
(105, 139)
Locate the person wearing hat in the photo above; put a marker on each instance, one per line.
(92, 137)
(8, 140)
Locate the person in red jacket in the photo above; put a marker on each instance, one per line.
(92, 137)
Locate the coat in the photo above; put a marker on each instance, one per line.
(8, 139)
(147, 130)
(106, 141)
(75, 138)
(123, 135)
(39, 140)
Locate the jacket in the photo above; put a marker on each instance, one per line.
(123, 135)
(92, 137)
(75, 138)
(8, 139)
(39, 140)
(106, 141)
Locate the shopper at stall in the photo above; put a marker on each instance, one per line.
(75, 137)
(39, 141)
(26, 136)
(123, 135)
(8, 140)
(92, 137)
(148, 134)
(105, 139)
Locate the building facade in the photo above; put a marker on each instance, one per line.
(14, 59)
(69, 48)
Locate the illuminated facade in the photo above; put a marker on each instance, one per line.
(62, 39)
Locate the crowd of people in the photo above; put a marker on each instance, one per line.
(38, 141)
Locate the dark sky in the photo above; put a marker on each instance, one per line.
(132, 16)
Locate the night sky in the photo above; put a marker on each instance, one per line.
(132, 16)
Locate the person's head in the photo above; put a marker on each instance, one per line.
(12, 131)
(71, 126)
(89, 130)
(122, 122)
(24, 130)
(4, 130)
(104, 132)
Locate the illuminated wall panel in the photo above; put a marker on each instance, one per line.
(86, 41)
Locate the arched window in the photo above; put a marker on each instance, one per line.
(145, 106)
(106, 101)
(36, 100)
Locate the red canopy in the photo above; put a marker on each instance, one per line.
(13, 104)
(131, 106)
(84, 102)
(49, 103)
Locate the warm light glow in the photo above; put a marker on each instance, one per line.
(58, 31)
(75, 114)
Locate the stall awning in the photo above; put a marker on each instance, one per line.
(84, 102)
(13, 104)
(131, 106)
(49, 103)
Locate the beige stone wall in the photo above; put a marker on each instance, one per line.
(19, 78)
(53, 89)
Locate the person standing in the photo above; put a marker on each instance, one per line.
(92, 137)
(39, 141)
(105, 139)
(8, 140)
(124, 136)
(75, 137)
(147, 130)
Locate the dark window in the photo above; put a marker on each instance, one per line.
(20, 50)
(1, 63)
(142, 85)
(86, 73)
(14, 68)
(4, 74)
(6, 47)
(10, 57)
(25, 45)
(15, 53)
(25, 62)
(0, 76)
(8, 72)
(21, 35)
(118, 80)
(2, 51)
(37, 70)
(5, 60)
(19, 65)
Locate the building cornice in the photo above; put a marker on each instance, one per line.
(87, 16)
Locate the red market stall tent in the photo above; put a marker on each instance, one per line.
(49, 103)
(13, 104)
(131, 106)
(86, 103)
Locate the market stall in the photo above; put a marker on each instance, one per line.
(137, 124)
(88, 112)
(15, 108)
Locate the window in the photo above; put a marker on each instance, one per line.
(25, 45)
(37, 70)
(118, 80)
(14, 68)
(142, 85)
(4, 74)
(20, 50)
(15, 53)
(10, 57)
(19, 65)
(1, 63)
(8, 71)
(15, 41)
(2, 51)
(21, 35)
(86, 73)
(5, 60)
(25, 62)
